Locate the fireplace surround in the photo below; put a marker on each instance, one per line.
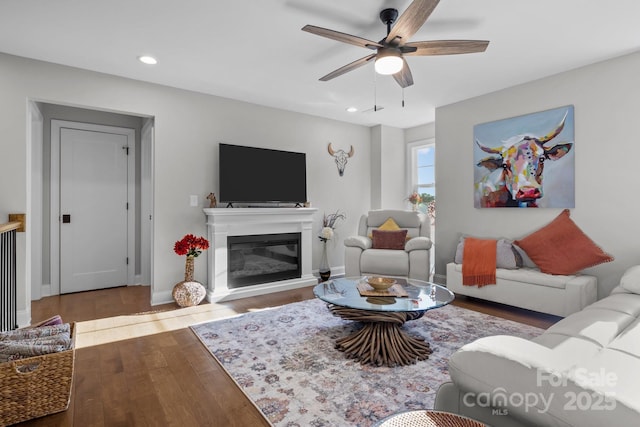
(237, 226)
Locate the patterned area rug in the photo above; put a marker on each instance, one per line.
(284, 360)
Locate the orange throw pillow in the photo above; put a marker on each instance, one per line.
(561, 247)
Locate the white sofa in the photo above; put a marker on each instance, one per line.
(413, 262)
(531, 289)
(583, 371)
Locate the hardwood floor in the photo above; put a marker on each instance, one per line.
(169, 378)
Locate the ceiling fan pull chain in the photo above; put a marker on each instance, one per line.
(375, 93)
(402, 97)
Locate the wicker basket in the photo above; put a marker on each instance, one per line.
(36, 386)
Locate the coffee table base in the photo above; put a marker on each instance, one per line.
(381, 341)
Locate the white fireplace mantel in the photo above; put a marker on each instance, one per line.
(224, 222)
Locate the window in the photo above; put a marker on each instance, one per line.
(423, 174)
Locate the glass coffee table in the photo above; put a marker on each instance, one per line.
(381, 340)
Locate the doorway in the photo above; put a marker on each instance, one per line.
(93, 206)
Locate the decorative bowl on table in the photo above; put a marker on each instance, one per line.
(381, 283)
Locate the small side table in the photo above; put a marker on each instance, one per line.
(426, 418)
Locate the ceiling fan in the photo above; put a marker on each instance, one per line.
(390, 51)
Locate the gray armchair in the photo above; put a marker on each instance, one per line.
(412, 262)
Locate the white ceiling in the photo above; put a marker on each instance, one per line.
(254, 50)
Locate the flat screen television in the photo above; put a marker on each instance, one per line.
(261, 175)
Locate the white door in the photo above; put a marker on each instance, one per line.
(93, 210)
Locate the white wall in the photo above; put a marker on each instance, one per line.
(188, 128)
(419, 133)
(607, 149)
(388, 163)
(394, 154)
(376, 170)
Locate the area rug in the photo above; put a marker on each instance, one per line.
(284, 360)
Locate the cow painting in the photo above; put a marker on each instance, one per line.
(341, 157)
(514, 169)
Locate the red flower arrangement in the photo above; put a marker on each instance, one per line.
(191, 245)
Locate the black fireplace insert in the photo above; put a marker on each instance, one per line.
(263, 258)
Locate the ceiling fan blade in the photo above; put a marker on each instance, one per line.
(404, 77)
(349, 67)
(341, 37)
(446, 47)
(411, 20)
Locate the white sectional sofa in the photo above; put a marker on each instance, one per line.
(529, 288)
(584, 371)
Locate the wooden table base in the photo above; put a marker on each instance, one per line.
(381, 341)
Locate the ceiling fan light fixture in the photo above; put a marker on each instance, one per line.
(388, 61)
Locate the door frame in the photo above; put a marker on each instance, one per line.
(146, 201)
(56, 127)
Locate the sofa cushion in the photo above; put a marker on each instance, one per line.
(629, 341)
(530, 275)
(622, 302)
(631, 280)
(561, 247)
(389, 239)
(385, 261)
(599, 325)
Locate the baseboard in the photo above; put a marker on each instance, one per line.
(45, 291)
(138, 280)
(161, 297)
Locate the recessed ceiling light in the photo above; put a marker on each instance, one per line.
(146, 59)
(352, 109)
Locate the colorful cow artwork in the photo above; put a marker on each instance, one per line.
(512, 175)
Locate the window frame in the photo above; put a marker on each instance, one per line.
(412, 162)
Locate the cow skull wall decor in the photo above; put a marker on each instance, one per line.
(341, 157)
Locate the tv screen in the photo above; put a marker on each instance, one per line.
(260, 175)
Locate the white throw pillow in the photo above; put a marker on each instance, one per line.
(631, 279)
